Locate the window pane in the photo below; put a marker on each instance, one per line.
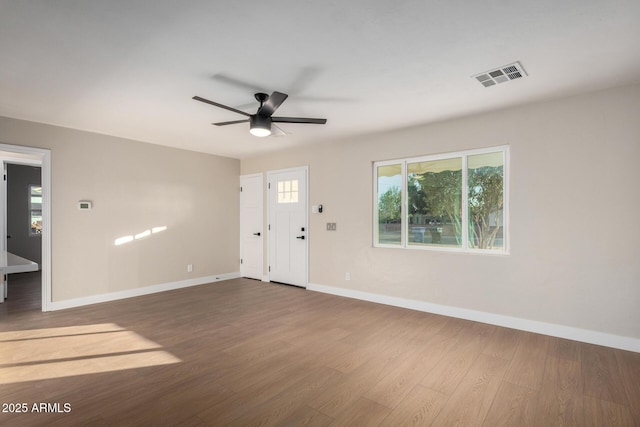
(288, 191)
(36, 202)
(36, 222)
(35, 197)
(486, 201)
(35, 209)
(434, 202)
(389, 202)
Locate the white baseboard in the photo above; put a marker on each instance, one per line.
(568, 332)
(136, 292)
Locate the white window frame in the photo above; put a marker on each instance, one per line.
(464, 205)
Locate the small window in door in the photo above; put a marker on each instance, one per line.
(288, 191)
(35, 210)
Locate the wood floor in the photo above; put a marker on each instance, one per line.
(245, 353)
(25, 293)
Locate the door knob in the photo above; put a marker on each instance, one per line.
(256, 234)
(300, 237)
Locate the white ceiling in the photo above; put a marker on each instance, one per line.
(130, 67)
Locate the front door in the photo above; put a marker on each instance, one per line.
(251, 226)
(288, 229)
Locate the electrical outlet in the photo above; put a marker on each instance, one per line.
(189, 268)
(331, 226)
(347, 276)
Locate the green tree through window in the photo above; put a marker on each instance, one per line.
(389, 205)
(434, 200)
(486, 200)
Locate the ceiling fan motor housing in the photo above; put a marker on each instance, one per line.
(260, 125)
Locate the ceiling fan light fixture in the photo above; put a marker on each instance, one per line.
(260, 126)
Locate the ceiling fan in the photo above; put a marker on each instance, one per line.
(261, 122)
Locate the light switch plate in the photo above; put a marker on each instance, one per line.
(85, 205)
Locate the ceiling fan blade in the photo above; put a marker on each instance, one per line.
(226, 79)
(298, 120)
(215, 104)
(277, 131)
(230, 123)
(272, 103)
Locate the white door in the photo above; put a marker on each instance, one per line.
(288, 229)
(251, 226)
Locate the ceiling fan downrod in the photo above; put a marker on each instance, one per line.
(261, 98)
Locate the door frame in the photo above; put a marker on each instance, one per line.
(261, 210)
(304, 169)
(37, 157)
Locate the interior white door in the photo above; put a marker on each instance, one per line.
(288, 229)
(251, 211)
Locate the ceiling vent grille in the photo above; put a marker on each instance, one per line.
(501, 75)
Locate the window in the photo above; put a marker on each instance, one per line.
(435, 202)
(453, 202)
(389, 197)
(288, 191)
(35, 210)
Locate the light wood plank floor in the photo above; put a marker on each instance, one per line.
(245, 353)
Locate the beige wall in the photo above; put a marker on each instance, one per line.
(574, 215)
(134, 186)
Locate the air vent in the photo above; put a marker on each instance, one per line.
(501, 75)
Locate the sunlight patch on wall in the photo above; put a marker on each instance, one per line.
(122, 240)
(62, 352)
(146, 233)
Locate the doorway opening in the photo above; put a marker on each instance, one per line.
(37, 223)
